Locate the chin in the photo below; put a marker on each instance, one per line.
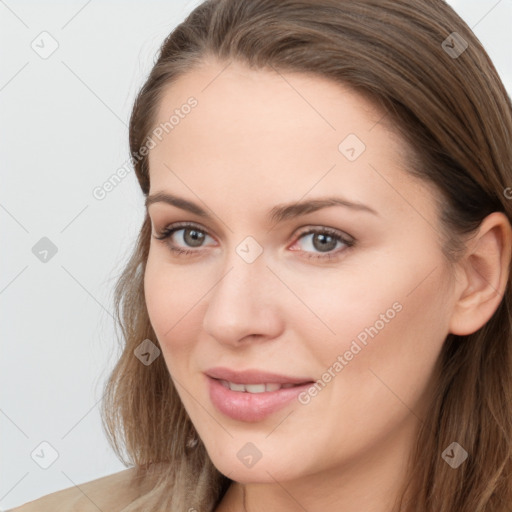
(266, 469)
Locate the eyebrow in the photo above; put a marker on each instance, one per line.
(278, 213)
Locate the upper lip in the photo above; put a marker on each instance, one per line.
(254, 377)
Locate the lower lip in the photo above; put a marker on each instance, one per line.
(250, 407)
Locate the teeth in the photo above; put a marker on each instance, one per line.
(255, 388)
(236, 387)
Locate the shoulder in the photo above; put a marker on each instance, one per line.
(110, 493)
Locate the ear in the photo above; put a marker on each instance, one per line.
(485, 269)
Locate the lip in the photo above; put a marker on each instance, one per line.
(254, 376)
(252, 407)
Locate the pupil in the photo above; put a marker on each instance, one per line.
(324, 238)
(195, 236)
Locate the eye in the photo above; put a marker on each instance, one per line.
(322, 239)
(191, 235)
(325, 240)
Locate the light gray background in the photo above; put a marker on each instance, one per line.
(64, 132)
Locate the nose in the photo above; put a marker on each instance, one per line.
(243, 304)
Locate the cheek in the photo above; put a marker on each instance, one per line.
(165, 294)
(157, 294)
(370, 389)
(388, 352)
(414, 338)
(389, 305)
(388, 310)
(173, 300)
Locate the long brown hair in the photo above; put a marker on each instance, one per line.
(451, 108)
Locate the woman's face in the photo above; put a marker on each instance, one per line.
(361, 306)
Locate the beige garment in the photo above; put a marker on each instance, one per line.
(108, 494)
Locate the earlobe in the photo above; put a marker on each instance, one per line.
(486, 267)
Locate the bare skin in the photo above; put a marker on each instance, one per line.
(257, 139)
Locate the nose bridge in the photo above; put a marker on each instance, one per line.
(239, 303)
(244, 276)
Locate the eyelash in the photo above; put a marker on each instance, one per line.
(170, 230)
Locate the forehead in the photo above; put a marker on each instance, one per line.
(269, 134)
(266, 101)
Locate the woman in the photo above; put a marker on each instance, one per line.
(317, 312)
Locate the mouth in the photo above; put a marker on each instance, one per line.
(251, 377)
(258, 388)
(252, 401)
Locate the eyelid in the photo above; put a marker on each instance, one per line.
(312, 228)
(177, 226)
